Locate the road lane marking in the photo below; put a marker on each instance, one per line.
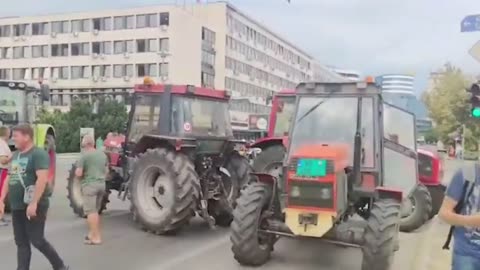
(174, 262)
(59, 226)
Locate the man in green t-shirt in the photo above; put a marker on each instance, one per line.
(29, 199)
(92, 169)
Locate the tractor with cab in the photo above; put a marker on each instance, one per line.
(179, 158)
(19, 104)
(416, 210)
(343, 180)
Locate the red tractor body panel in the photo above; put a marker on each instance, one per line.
(183, 90)
(434, 174)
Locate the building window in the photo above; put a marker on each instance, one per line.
(104, 47)
(20, 30)
(164, 18)
(80, 49)
(147, 70)
(102, 24)
(4, 74)
(5, 30)
(38, 73)
(120, 71)
(59, 50)
(5, 53)
(39, 29)
(208, 35)
(80, 72)
(81, 25)
(123, 22)
(146, 45)
(147, 20)
(164, 44)
(208, 80)
(60, 73)
(60, 27)
(164, 69)
(20, 74)
(123, 46)
(39, 51)
(20, 52)
(102, 71)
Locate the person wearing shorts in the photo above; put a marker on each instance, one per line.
(91, 170)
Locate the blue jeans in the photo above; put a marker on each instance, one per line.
(460, 262)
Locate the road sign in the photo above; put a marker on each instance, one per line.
(475, 51)
(471, 23)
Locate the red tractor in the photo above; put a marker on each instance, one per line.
(179, 159)
(273, 149)
(343, 180)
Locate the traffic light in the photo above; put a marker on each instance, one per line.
(475, 100)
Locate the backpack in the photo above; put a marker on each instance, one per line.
(469, 177)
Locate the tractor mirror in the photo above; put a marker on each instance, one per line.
(45, 92)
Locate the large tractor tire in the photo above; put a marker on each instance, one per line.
(270, 160)
(74, 195)
(52, 154)
(381, 235)
(239, 169)
(250, 247)
(416, 209)
(437, 193)
(164, 190)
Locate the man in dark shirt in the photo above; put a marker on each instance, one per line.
(29, 199)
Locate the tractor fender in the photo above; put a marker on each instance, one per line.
(269, 141)
(154, 141)
(41, 131)
(387, 193)
(265, 178)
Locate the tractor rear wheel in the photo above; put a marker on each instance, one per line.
(416, 209)
(164, 191)
(239, 169)
(52, 153)
(74, 195)
(249, 246)
(380, 235)
(270, 160)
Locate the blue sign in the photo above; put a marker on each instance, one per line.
(471, 23)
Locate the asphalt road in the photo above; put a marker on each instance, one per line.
(126, 247)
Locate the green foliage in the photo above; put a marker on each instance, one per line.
(448, 106)
(431, 136)
(110, 116)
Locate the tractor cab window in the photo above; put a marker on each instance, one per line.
(284, 113)
(145, 117)
(333, 120)
(200, 117)
(12, 106)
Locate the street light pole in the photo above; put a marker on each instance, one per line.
(463, 141)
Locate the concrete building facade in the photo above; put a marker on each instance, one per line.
(85, 54)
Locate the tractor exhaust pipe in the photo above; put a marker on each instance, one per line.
(357, 146)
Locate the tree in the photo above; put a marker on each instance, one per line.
(110, 117)
(447, 104)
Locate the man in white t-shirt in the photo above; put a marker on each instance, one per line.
(5, 156)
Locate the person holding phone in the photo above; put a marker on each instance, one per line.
(27, 185)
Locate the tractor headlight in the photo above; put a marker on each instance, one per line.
(325, 193)
(295, 192)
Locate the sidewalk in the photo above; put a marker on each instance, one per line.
(430, 254)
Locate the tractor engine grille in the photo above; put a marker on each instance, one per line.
(292, 165)
(311, 194)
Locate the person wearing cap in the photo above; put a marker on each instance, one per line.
(91, 170)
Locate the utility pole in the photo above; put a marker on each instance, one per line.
(463, 142)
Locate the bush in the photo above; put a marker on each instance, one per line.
(111, 116)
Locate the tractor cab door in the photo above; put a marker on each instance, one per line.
(400, 166)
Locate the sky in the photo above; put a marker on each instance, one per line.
(372, 36)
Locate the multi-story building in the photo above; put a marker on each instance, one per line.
(398, 89)
(85, 54)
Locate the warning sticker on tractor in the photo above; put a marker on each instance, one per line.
(187, 127)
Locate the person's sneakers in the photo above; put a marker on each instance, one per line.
(4, 222)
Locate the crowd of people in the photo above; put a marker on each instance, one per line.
(25, 186)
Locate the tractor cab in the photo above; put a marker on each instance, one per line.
(283, 107)
(184, 115)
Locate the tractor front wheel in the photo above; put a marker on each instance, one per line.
(380, 235)
(416, 209)
(164, 191)
(250, 246)
(437, 193)
(74, 195)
